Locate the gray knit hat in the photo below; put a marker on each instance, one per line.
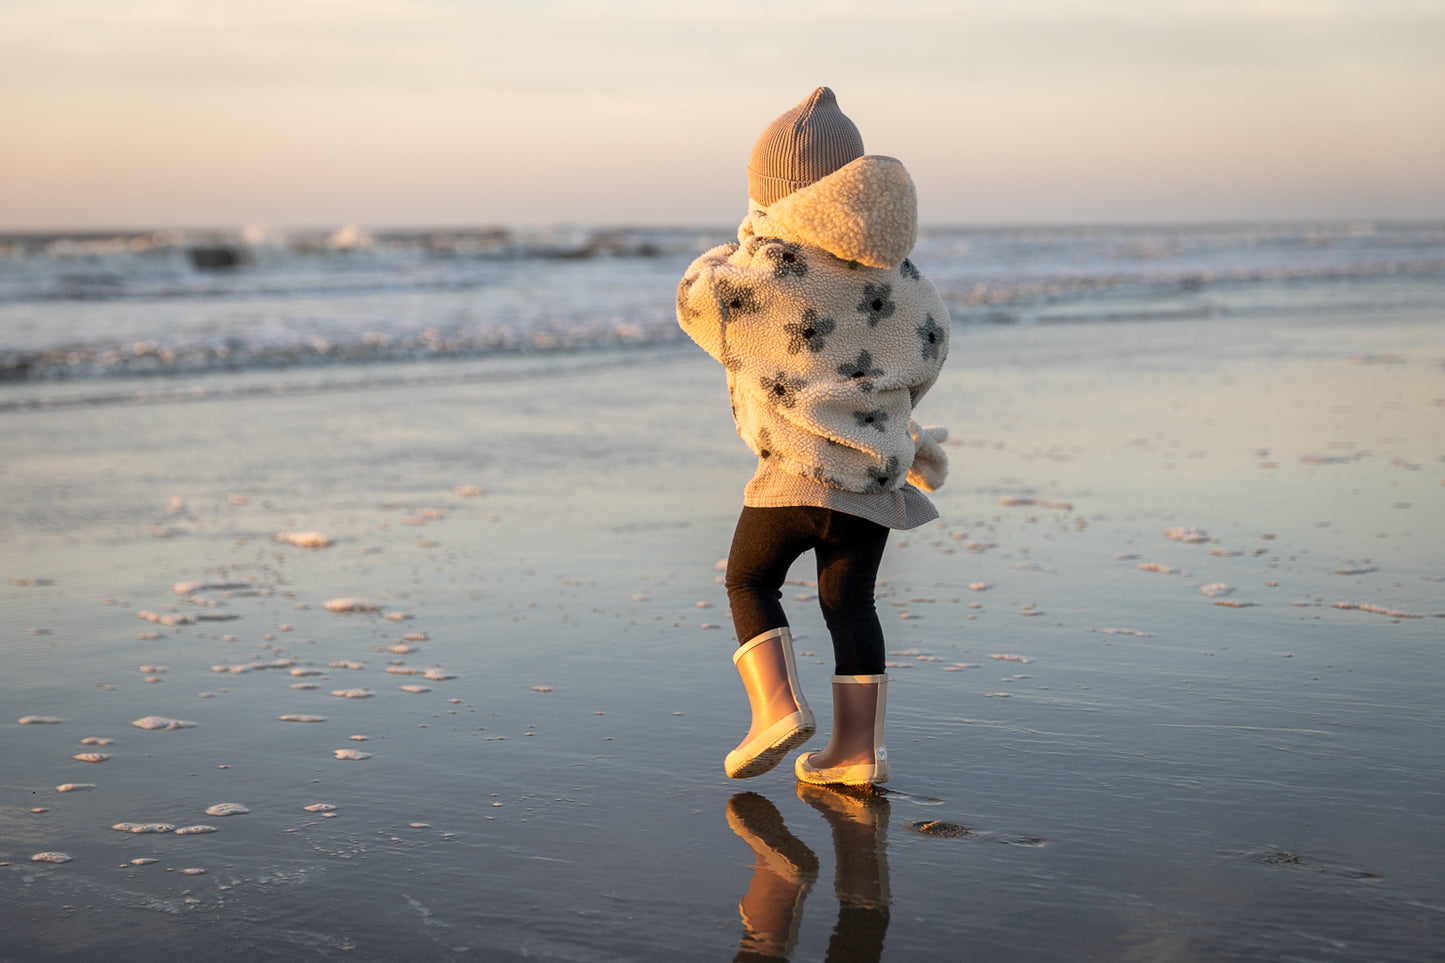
(804, 145)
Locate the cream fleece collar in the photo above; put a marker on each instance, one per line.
(866, 211)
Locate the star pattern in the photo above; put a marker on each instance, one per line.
(860, 368)
(809, 332)
(782, 389)
(931, 336)
(765, 444)
(879, 479)
(876, 303)
(786, 259)
(877, 418)
(735, 298)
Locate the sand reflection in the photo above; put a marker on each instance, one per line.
(785, 869)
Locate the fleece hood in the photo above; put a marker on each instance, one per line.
(866, 211)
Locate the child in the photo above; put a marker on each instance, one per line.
(830, 336)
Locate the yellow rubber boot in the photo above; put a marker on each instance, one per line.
(781, 717)
(856, 754)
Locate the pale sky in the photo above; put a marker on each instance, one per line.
(224, 113)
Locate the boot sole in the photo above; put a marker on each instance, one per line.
(866, 774)
(742, 763)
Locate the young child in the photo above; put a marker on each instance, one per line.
(830, 337)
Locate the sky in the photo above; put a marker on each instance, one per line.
(412, 113)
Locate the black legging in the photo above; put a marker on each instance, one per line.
(766, 543)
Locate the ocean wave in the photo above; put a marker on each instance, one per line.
(182, 264)
(156, 359)
(1166, 295)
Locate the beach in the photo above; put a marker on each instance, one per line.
(1164, 676)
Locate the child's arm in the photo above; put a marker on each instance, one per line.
(698, 312)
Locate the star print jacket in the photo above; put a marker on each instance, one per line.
(829, 334)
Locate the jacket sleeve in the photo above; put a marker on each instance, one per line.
(698, 313)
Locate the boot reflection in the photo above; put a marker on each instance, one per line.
(858, 816)
(783, 872)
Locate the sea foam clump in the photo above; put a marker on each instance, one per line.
(161, 722)
(91, 756)
(195, 830)
(191, 588)
(352, 693)
(180, 618)
(298, 717)
(1377, 609)
(166, 618)
(51, 858)
(356, 754)
(346, 606)
(40, 720)
(304, 539)
(140, 828)
(1190, 536)
(226, 809)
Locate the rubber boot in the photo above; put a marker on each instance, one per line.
(781, 717)
(856, 754)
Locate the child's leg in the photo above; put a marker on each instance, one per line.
(848, 560)
(766, 542)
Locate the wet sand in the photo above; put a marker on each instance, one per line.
(1165, 673)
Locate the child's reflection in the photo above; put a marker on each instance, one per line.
(785, 868)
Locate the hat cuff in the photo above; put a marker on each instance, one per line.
(766, 189)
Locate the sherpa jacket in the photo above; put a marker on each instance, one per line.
(829, 334)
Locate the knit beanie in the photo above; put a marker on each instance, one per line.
(804, 145)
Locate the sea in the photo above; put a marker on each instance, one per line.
(98, 307)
